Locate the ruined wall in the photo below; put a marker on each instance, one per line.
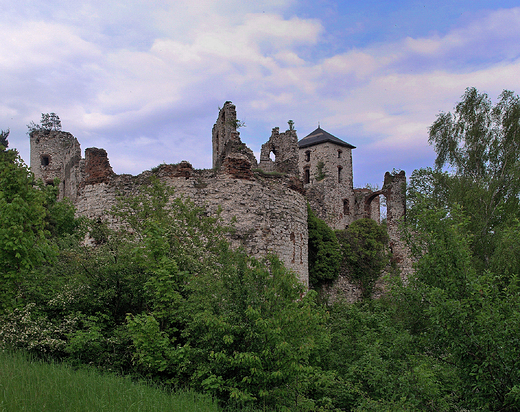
(226, 139)
(269, 216)
(394, 190)
(269, 209)
(56, 154)
(284, 146)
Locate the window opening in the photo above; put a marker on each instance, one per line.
(339, 173)
(306, 176)
(45, 161)
(339, 154)
(346, 208)
(308, 156)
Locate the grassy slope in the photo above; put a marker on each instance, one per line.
(28, 385)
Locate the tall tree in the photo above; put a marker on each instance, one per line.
(478, 163)
(22, 224)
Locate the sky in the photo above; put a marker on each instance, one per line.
(145, 79)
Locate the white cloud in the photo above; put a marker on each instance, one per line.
(140, 74)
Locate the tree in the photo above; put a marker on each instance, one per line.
(3, 139)
(364, 251)
(480, 146)
(324, 254)
(49, 122)
(463, 315)
(23, 243)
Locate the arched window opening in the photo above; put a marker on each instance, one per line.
(272, 155)
(45, 160)
(306, 175)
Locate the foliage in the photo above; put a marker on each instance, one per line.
(23, 243)
(380, 367)
(480, 142)
(364, 253)
(324, 253)
(236, 124)
(464, 316)
(49, 122)
(4, 134)
(291, 124)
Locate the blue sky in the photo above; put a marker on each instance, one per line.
(144, 80)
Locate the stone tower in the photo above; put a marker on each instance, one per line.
(325, 164)
(56, 154)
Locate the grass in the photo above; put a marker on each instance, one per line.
(32, 385)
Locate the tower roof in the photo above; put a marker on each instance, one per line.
(321, 136)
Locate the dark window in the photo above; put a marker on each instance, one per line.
(339, 173)
(306, 176)
(308, 156)
(346, 209)
(339, 154)
(45, 160)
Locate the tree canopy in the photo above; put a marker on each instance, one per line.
(477, 165)
(49, 122)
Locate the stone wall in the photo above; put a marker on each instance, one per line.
(269, 216)
(269, 209)
(56, 154)
(284, 146)
(226, 138)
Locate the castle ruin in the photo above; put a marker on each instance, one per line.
(266, 200)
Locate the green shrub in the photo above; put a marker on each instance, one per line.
(324, 254)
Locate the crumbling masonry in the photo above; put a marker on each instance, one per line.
(267, 200)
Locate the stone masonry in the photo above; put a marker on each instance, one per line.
(268, 209)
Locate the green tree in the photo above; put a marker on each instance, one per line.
(364, 251)
(324, 254)
(49, 122)
(462, 315)
(4, 134)
(23, 242)
(480, 144)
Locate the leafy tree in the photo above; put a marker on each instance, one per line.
(23, 243)
(462, 315)
(324, 254)
(49, 122)
(4, 134)
(480, 145)
(364, 251)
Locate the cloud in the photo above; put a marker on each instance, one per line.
(145, 81)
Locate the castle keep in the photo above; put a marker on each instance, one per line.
(267, 200)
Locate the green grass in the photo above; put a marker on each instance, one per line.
(31, 385)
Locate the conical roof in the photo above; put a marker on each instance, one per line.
(321, 136)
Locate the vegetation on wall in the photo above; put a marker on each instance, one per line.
(364, 253)
(320, 173)
(324, 253)
(49, 122)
